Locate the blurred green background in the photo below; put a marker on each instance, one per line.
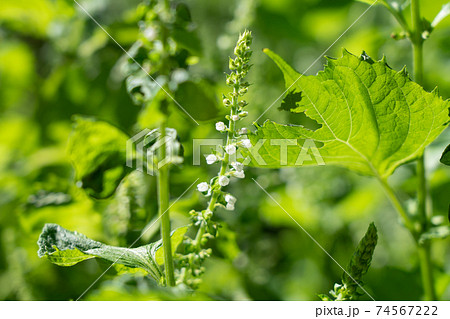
(55, 62)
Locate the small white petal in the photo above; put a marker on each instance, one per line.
(203, 187)
(243, 131)
(211, 159)
(220, 126)
(229, 206)
(235, 117)
(239, 174)
(223, 180)
(230, 199)
(246, 143)
(238, 166)
(230, 149)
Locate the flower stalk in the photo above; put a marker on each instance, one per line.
(229, 167)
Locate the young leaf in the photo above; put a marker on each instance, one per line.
(176, 237)
(373, 119)
(97, 150)
(66, 248)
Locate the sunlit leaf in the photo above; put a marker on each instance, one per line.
(98, 152)
(373, 119)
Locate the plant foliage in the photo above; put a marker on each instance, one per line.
(373, 119)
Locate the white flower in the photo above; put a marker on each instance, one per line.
(230, 199)
(211, 159)
(180, 76)
(235, 117)
(203, 187)
(239, 174)
(238, 166)
(220, 126)
(246, 143)
(243, 114)
(230, 149)
(223, 180)
(229, 206)
(243, 131)
(150, 33)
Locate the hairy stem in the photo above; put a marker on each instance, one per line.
(424, 250)
(163, 207)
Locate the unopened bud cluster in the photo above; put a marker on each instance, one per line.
(358, 266)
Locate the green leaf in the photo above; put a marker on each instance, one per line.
(97, 150)
(177, 237)
(198, 99)
(445, 158)
(66, 248)
(373, 119)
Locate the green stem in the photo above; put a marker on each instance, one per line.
(398, 206)
(163, 206)
(424, 250)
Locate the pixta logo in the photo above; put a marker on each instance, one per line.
(143, 150)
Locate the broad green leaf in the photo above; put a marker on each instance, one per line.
(66, 248)
(445, 158)
(97, 150)
(373, 119)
